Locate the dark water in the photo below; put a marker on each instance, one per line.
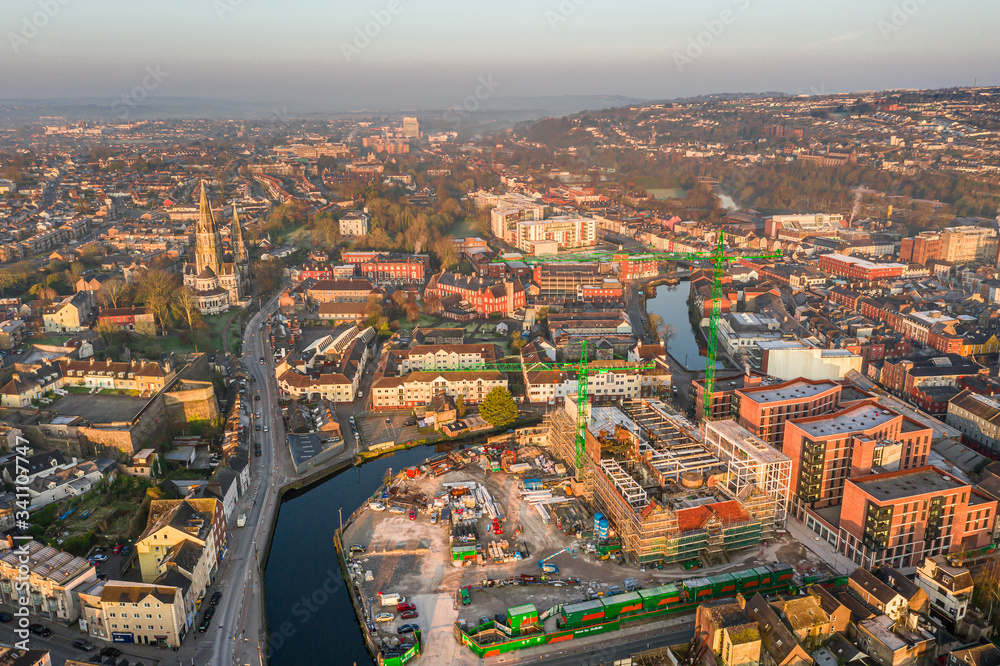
(309, 614)
(671, 303)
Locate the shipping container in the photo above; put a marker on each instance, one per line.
(697, 588)
(746, 580)
(722, 585)
(581, 613)
(764, 575)
(622, 604)
(658, 597)
(520, 616)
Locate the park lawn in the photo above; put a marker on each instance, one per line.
(50, 340)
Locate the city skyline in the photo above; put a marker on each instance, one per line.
(429, 55)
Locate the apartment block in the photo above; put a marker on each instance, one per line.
(139, 613)
(860, 270)
(899, 518)
(419, 388)
(829, 449)
(969, 244)
(763, 410)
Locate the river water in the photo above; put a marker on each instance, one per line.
(310, 618)
(671, 303)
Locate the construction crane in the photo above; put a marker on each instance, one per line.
(544, 565)
(718, 259)
(582, 369)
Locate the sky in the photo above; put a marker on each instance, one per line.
(338, 55)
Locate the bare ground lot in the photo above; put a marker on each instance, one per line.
(418, 563)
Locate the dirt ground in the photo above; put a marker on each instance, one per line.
(418, 564)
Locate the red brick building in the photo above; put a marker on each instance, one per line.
(899, 518)
(390, 269)
(139, 320)
(485, 296)
(763, 410)
(857, 269)
(342, 291)
(829, 449)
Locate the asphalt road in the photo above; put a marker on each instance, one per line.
(236, 634)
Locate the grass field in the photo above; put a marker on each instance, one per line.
(465, 228)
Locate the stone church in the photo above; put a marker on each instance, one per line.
(220, 281)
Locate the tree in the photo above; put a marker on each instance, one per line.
(460, 406)
(185, 307)
(498, 407)
(157, 289)
(412, 311)
(516, 341)
(115, 293)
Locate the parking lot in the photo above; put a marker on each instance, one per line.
(375, 429)
(99, 408)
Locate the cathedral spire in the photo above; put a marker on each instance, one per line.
(239, 248)
(208, 244)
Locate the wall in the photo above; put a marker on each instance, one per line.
(191, 401)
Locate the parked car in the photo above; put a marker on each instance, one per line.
(117, 549)
(501, 618)
(407, 629)
(6, 617)
(209, 613)
(395, 508)
(103, 558)
(385, 617)
(376, 506)
(82, 644)
(256, 397)
(215, 598)
(40, 630)
(413, 514)
(405, 606)
(110, 652)
(408, 615)
(484, 620)
(412, 421)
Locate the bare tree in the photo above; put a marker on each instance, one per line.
(157, 290)
(115, 293)
(185, 307)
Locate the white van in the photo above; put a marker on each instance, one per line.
(392, 599)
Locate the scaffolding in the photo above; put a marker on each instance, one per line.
(626, 486)
(758, 475)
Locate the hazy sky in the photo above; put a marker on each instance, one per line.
(430, 53)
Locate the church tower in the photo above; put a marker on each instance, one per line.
(208, 242)
(239, 248)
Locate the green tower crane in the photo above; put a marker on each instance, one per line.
(718, 259)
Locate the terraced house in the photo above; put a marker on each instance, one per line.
(144, 376)
(419, 388)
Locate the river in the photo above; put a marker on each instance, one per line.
(310, 618)
(671, 303)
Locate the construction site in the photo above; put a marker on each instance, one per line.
(672, 493)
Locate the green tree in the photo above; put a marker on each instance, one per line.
(498, 407)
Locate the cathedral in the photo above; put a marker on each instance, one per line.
(220, 282)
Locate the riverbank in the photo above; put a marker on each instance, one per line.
(468, 438)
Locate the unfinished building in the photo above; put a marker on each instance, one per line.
(670, 496)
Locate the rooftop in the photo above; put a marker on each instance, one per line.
(853, 419)
(796, 389)
(907, 483)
